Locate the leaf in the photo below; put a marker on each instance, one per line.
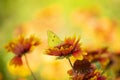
(60, 57)
(98, 65)
(53, 39)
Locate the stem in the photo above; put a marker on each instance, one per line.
(29, 68)
(104, 71)
(70, 62)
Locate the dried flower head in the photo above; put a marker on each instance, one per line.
(84, 70)
(20, 47)
(82, 66)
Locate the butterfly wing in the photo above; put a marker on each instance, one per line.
(53, 39)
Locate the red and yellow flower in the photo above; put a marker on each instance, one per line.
(84, 70)
(101, 55)
(20, 47)
(70, 46)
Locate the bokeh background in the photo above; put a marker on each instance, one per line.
(96, 21)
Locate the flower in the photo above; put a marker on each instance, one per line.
(101, 55)
(82, 66)
(84, 70)
(70, 46)
(20, 47)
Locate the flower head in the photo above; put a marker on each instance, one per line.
(70, 46)
(82, 66)
(84, 70)
(100, 55)
(20, 47)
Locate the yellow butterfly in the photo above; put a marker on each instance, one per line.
(53, 39)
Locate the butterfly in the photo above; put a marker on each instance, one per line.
(53, 39)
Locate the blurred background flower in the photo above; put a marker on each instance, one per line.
(96, 21)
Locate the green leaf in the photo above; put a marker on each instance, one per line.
(98, 65)
(60, 57)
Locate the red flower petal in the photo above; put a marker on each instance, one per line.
(17, 61)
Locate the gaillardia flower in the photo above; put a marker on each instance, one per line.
(101, 55)
(20, 47)
(70, 46)
(84, 70)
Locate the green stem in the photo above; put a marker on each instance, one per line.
(70, 62)
(29, 68)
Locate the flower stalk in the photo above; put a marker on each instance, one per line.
(70, 62)
(26, 60)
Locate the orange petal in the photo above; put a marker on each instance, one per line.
(78, 55)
